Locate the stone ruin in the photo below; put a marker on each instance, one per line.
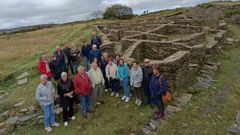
(177, 44)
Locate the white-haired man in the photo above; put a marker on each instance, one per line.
(95, 53)
(96, 77)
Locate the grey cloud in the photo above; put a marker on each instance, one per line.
(16, 13)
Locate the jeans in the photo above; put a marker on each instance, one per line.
(125, 85)
(85, 103)
(97, 93)
(49, 116)
(114, 84)
(75, 67)
(86, 63)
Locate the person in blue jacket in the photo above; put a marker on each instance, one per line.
(95, 53)
(96, 40)
(123, 76)
(158, 87)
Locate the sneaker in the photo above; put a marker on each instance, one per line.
(139, 103)
(136, 102)
(127, 99)
(73, 118)
(106, 90)
(112, 94)
(117, 95)
(56, 124)
(65, 124)
(124, 97)
(48, 129)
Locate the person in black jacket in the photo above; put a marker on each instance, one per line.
(65, 90)
(86, 48)
(56, 68)
(67, 52)
(147, 73)
(96, 40)
(61, 58)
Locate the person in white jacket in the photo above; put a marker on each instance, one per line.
(96, 77)
(111, 74)
(136, 77)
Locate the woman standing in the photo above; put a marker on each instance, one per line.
(65, 90)
(136, 77)
(43, 66)
(158, 87)
(44, 94)
(123, 75)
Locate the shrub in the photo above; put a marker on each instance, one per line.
(118, 11)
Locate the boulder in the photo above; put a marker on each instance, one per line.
(234, 130)
(12, 120)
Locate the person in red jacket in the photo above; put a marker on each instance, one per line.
(83, 87)
(43, 66)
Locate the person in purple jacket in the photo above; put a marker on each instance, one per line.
(158, 87)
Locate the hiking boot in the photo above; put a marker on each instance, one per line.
(147, 126)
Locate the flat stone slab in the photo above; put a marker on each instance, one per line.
(23, 75)
(183, 99)
(23, 81)
(19, 104)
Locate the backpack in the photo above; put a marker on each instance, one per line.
(167, 96)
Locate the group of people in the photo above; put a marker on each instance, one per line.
(98, 73)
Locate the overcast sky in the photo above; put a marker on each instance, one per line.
(14, 13)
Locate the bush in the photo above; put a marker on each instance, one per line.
(118, 11)
(229, 13)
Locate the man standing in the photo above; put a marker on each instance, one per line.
(61, 58)
(67, 53)
(96, 40)
(83, 87)
(86, 48)
(95, 53)
(96, 77)
(104, 63)
(75, 59)
(147, 73)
